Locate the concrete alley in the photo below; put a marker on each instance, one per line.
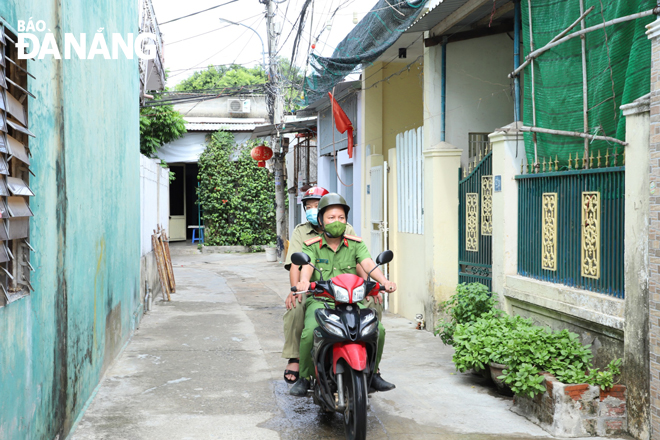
(207, 365)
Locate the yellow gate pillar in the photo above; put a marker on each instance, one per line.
(441, 166)
(508, 153)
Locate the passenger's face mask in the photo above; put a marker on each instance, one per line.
(335, 229)
(312, 216)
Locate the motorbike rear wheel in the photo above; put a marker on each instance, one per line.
(355, 415)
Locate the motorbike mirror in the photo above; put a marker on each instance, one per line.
(300, 259)
(384, 257)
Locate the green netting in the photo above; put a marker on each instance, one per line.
(376, 32)
(558, 74)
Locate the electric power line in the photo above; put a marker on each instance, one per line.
(204, 33)
(195, 13)
(229, 45)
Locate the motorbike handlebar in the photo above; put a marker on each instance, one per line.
(312, 288)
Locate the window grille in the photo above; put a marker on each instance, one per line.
(15, 156)
(477, 143)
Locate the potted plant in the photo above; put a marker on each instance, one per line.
(271, 252)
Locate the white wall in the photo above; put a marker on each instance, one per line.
(191, 145)
(478, 90)
(154, 200)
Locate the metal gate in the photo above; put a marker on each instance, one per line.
(475, 222)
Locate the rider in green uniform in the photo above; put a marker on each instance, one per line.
(294, 318)
(334, 253)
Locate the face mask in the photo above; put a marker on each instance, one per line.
(335, 229)
(312, 216)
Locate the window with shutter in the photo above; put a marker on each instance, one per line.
(15, 155)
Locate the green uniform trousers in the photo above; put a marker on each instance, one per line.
(294, 322)
(307, 337)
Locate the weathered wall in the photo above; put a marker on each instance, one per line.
(636, 362)
(654, 233)
(57, 342)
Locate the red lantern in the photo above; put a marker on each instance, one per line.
(261, 154)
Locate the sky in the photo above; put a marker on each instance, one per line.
(222, 43)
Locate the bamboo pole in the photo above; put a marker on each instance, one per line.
(580, 20)
(573, 134)
(531, 47)
(536, 53)
(585, 99)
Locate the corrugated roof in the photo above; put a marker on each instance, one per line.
(435, 15)
(227, 124)
(297, 126)
(214, 120)
(216, 127)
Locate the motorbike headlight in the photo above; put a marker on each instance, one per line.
(367, 318)
(358, 293)
(341, 294)
(326, 319)
(369, 329)
(334, 330)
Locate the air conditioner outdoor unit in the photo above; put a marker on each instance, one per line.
(239, 106)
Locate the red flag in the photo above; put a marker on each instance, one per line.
(343, 123)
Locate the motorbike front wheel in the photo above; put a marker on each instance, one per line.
(355, 415)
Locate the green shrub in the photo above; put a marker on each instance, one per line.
(470, 302)
(237, 197)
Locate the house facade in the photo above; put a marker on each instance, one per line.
(239, 115)
(471, 171)
(337, 172)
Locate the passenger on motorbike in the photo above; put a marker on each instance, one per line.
(294, 318)
(334, 253)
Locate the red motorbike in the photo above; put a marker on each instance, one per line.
(345, 345)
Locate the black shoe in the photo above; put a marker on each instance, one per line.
(380, 384)
(300, 388)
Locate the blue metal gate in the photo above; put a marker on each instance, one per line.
(475, 222)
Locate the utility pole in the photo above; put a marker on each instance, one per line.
(276, 115)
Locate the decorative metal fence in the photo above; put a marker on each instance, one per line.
(571, 227)
(475, 222)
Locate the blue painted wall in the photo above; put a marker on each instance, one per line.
(56, 343)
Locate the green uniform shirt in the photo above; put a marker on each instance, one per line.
(301, 234)
(348, 255)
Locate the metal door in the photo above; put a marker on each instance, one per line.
(348, 189)
(475, 222)
(178, 203)
(377, 218)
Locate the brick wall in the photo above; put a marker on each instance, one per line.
(654, 241)
(578, 410)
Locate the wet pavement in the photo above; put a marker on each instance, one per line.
(207, 365)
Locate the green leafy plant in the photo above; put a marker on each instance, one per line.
(524, 380)
(485, 340)
(158, 126)
(470, 302)
(237, 197)
(527, 350)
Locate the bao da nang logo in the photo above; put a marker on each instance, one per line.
(30, 45)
